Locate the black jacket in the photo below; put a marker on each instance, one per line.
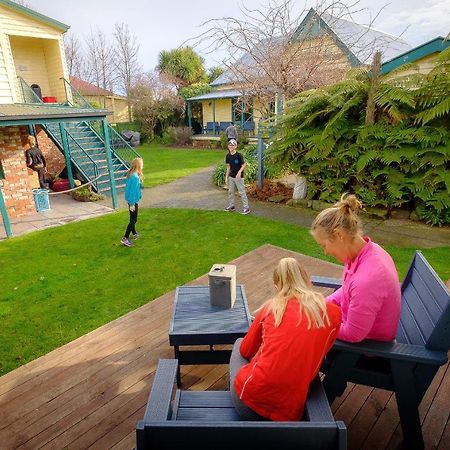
(35, 158)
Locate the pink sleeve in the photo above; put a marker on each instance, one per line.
(253, 339)
(336, 297)
(364, 305)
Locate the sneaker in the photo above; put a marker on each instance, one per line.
(126, 242)
(136, 236)
(230, 209)
(245, 211)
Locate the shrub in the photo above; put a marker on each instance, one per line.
(400, 159)
(242, 140)
(251, 169)
(179, 135)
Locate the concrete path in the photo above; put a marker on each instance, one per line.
(63, 209)
(198, 192)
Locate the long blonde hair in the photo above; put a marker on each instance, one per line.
(292, 281)
(136, 167)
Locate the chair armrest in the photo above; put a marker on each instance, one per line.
(335, 283)
(158, 405)
(394, 350)
(317, 408)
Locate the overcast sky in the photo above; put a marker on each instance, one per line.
(163, 25)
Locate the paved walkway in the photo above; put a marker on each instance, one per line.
(63, 209)
(197, 191)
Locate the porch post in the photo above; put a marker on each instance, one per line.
(66, 149)
(279, 103)
(214, 116)
(242, 112)
(233, 112)
(260, 159)
(5, 217)
(112, 180)
(189, 111)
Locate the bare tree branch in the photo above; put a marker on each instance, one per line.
(126, 60)
(268, 53)
(100, 60)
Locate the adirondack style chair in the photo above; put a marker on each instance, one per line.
(204, 420)
(224, 125)
(249, 126)
(408, 365)
(212, 127)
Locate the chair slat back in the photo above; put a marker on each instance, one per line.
(425, 316)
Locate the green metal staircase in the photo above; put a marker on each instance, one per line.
(87, 152)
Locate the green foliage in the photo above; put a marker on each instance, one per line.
(95, 104)
(401, 160)
(194, 89)
(242, 140)
(251, 169)
(183, 65)
(219, 174)
(180, 135)
(215, 72)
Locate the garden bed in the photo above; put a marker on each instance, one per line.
(270, 192)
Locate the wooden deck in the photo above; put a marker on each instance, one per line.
(91, 392)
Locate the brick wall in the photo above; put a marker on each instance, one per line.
(54, 158)
(16, 186)
(19, 179)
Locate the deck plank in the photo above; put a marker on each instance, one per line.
(91, 392)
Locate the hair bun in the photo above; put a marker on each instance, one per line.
(349, 202)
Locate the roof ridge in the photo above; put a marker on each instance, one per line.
(370, 28)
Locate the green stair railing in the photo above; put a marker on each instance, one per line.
(91, 175)
(77, 99)
(121, 147)
(28, 95)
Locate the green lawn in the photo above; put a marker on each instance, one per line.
(163, 164)
(51, 294)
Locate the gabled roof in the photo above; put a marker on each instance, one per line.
(436, 45)
(85, 88)
(358, 42)
(34, 15)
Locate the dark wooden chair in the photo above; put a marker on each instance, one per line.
(408, 365)
(224, 125)
(249, 126)
(203, 420)
(211, 127)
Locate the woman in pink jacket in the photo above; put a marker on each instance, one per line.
(370, 294)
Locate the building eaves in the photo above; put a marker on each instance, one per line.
(437, 44)
(35, 15)
(21, 113)
(231, 93)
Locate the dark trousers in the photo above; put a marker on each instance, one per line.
(131, 228)
(41, 175)
(236, 362)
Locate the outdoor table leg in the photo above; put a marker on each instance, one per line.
(177, 353)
